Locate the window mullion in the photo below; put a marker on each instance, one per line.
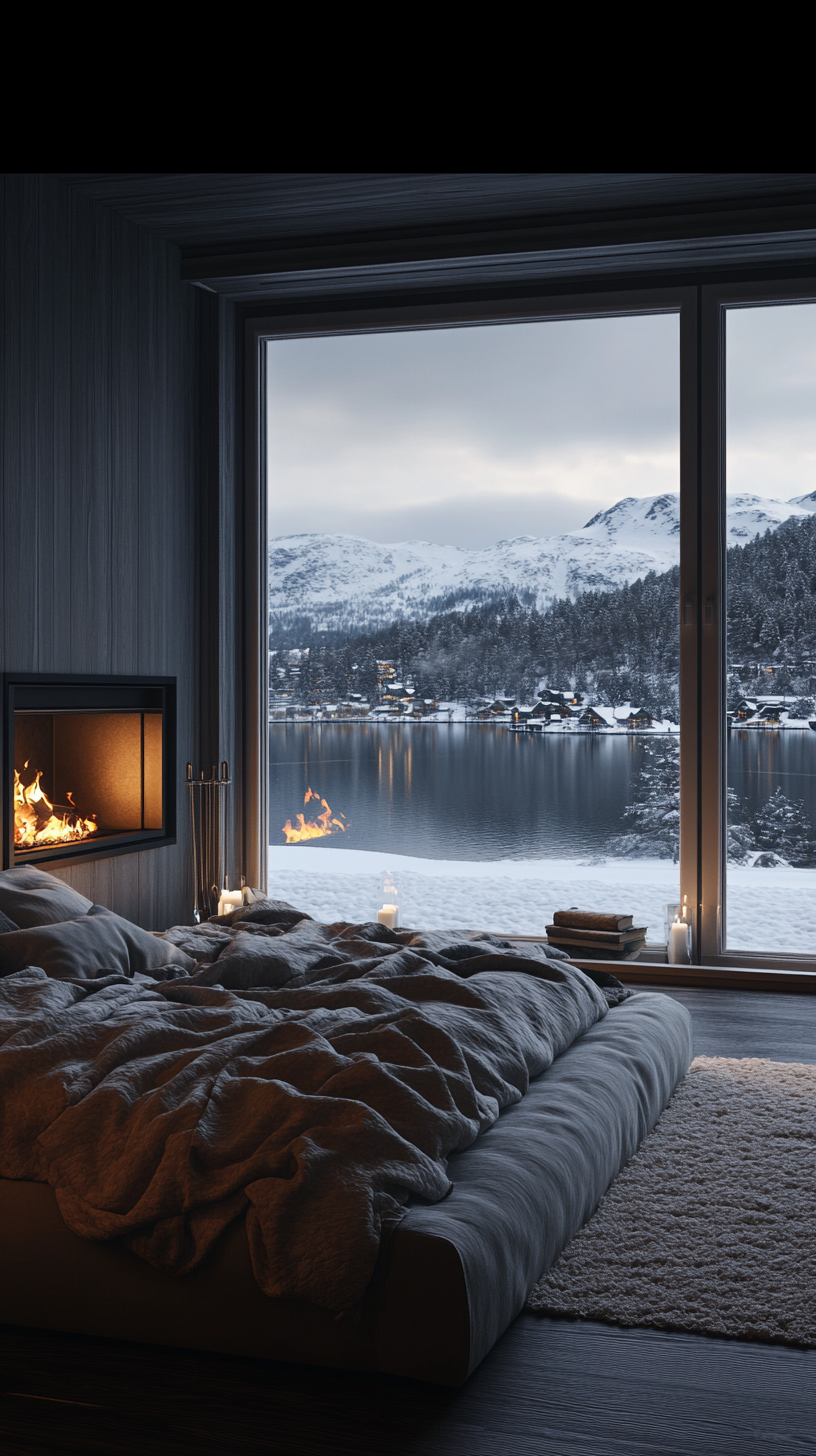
(689, 607)
(712, 626)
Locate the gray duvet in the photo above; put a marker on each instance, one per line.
(317, 1076)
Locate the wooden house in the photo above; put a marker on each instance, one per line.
(595, 718)
(639, 718)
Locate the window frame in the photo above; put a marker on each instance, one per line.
(700, 309)
(715, 301)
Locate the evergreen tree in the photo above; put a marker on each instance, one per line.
(740, 835)
(653, 817)
(782, 826)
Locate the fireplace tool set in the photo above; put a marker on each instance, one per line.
(207, 821)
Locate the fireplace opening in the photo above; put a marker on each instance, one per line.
(90, 766)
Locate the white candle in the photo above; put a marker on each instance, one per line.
(389, 915)
(230, 900)
(678, 950)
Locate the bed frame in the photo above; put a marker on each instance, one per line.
(450, 1277)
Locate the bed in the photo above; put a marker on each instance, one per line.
(454, 1260)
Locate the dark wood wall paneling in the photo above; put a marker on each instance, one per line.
(218, 558)
(101, 521)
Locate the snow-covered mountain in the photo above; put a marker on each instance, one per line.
(346, 582)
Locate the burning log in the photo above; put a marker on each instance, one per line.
(37, 821)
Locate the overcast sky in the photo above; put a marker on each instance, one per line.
(771, 400)
(466, 436)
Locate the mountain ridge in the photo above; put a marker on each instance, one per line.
(347, 583)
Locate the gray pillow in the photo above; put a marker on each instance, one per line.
(89, 947)
(31, 897)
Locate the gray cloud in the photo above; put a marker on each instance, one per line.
(467, 435)
(771, 399)
(513, 388)
(479, 523)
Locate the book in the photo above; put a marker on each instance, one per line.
(591, 920)
(586, 950)
(602, 937)
(576, 947)
(592, 953)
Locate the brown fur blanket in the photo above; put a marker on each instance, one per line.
(315, 1076)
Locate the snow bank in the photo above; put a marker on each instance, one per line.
(769, 909)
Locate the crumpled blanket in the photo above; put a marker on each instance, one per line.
(316, 1076)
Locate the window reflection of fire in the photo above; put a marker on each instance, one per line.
(38, 821)
(325, 823)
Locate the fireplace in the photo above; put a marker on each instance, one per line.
(89, 766)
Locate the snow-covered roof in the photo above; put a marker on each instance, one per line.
(610, 716)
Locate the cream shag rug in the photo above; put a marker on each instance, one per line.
(711, 1225)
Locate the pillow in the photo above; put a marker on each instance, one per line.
(31, 897)
(6, 924)
(91, 946)
(263, 912)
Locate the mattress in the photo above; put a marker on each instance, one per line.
(450, 1277)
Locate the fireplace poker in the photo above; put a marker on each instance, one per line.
(207, 827)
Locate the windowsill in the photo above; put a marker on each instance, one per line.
(734, 977)
(658, 972)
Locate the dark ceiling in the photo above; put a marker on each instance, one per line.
(294, 235)
(230, 209)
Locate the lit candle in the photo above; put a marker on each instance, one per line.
(678, 949)
(230, 900)
(389, 915)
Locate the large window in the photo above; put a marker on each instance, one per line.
(475, 667)
(473, 622)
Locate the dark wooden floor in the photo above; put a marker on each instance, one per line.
(549, 1388)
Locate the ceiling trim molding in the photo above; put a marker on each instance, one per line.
(379, 249)
(522, 269)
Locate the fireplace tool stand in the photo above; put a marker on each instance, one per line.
(207, 822)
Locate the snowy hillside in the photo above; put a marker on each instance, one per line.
(345, 582)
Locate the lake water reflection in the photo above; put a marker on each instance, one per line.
(476, 791)
(455, 791)
(759, 762)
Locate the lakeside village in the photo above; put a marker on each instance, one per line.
(552, 710)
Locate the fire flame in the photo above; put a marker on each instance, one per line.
(304, 828)
(38, 821)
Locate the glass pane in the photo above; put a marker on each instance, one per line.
(771, 643)
(473, 623)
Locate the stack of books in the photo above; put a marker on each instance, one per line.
(591, 935)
